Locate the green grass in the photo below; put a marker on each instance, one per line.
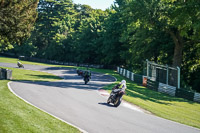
(21, 74)
(172, 108)
(162, 105)
(14, 60)
(16, 116)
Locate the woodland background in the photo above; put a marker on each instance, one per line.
(126, 34)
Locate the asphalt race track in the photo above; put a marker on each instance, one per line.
(82, 105)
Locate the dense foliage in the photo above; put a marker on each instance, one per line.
(16, 21)
(131, 31)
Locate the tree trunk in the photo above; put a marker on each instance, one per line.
(178, 49)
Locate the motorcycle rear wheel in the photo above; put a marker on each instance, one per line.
(86, 81)
(117, 102)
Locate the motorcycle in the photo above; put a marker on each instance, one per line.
(86, 79)
(79, 72)
(115, 97)
(19, 64)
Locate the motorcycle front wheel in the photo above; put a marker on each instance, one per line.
(109, 100)
(86, 81)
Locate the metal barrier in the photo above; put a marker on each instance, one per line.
(152, 84)
(5, 74)
(163, 74)
(167, 89)
(2, 73)
(59, 62)
(184, 94)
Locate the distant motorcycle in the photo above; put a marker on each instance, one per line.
(115, 97)
(86, 79)
(79, 72)
(20, 65)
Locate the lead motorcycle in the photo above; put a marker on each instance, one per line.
(115, 97)
(86, 79)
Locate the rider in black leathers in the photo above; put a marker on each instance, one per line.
(87, 74)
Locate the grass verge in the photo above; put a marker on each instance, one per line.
(18, 116)
(14, 60)
(162, 105)
(172, 108)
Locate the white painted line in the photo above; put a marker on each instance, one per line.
(83, 131)
(128, 105)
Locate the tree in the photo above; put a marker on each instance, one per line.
(53, 26)
(111, 46)
(87, 37)
(174, 18)
(17, 18)
(178, 20)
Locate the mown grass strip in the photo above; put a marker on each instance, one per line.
(18, 116)
(172, 108)
(165, 106)
(14, 60)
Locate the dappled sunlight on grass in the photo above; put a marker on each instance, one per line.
(168, 107)
(172, 108)
(14, 60)
(51, 77)
(28, 75)
(18, 116)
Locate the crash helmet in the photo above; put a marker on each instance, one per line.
(123, 81)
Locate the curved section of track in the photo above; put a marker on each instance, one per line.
(81, 105)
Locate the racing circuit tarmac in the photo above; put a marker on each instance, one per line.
(85, 107)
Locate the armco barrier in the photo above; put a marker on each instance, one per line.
(128, 74)
(124, 72)
(121, 71)
(167, 89)
(163, 88)
(153, 85)
(132, 76)
(2, 73)
(8, 74)
(197, 97)
(59, 62)
(5, 74)
(184, 94)
(118, 69)
(138, 78)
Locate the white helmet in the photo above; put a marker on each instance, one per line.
(123, 81)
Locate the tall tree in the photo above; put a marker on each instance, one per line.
(177, 19)
(52, 27)
(88, 36)
(111, 46)
(17, 18)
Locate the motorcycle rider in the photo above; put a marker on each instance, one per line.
(79, 72)
(87, 74)
(117, 93)
(120, 87)
(19, 64)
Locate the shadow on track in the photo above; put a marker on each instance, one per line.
(106, 104)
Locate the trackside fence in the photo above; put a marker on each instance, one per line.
(59, 62)
(159, 86)
(5, 74)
